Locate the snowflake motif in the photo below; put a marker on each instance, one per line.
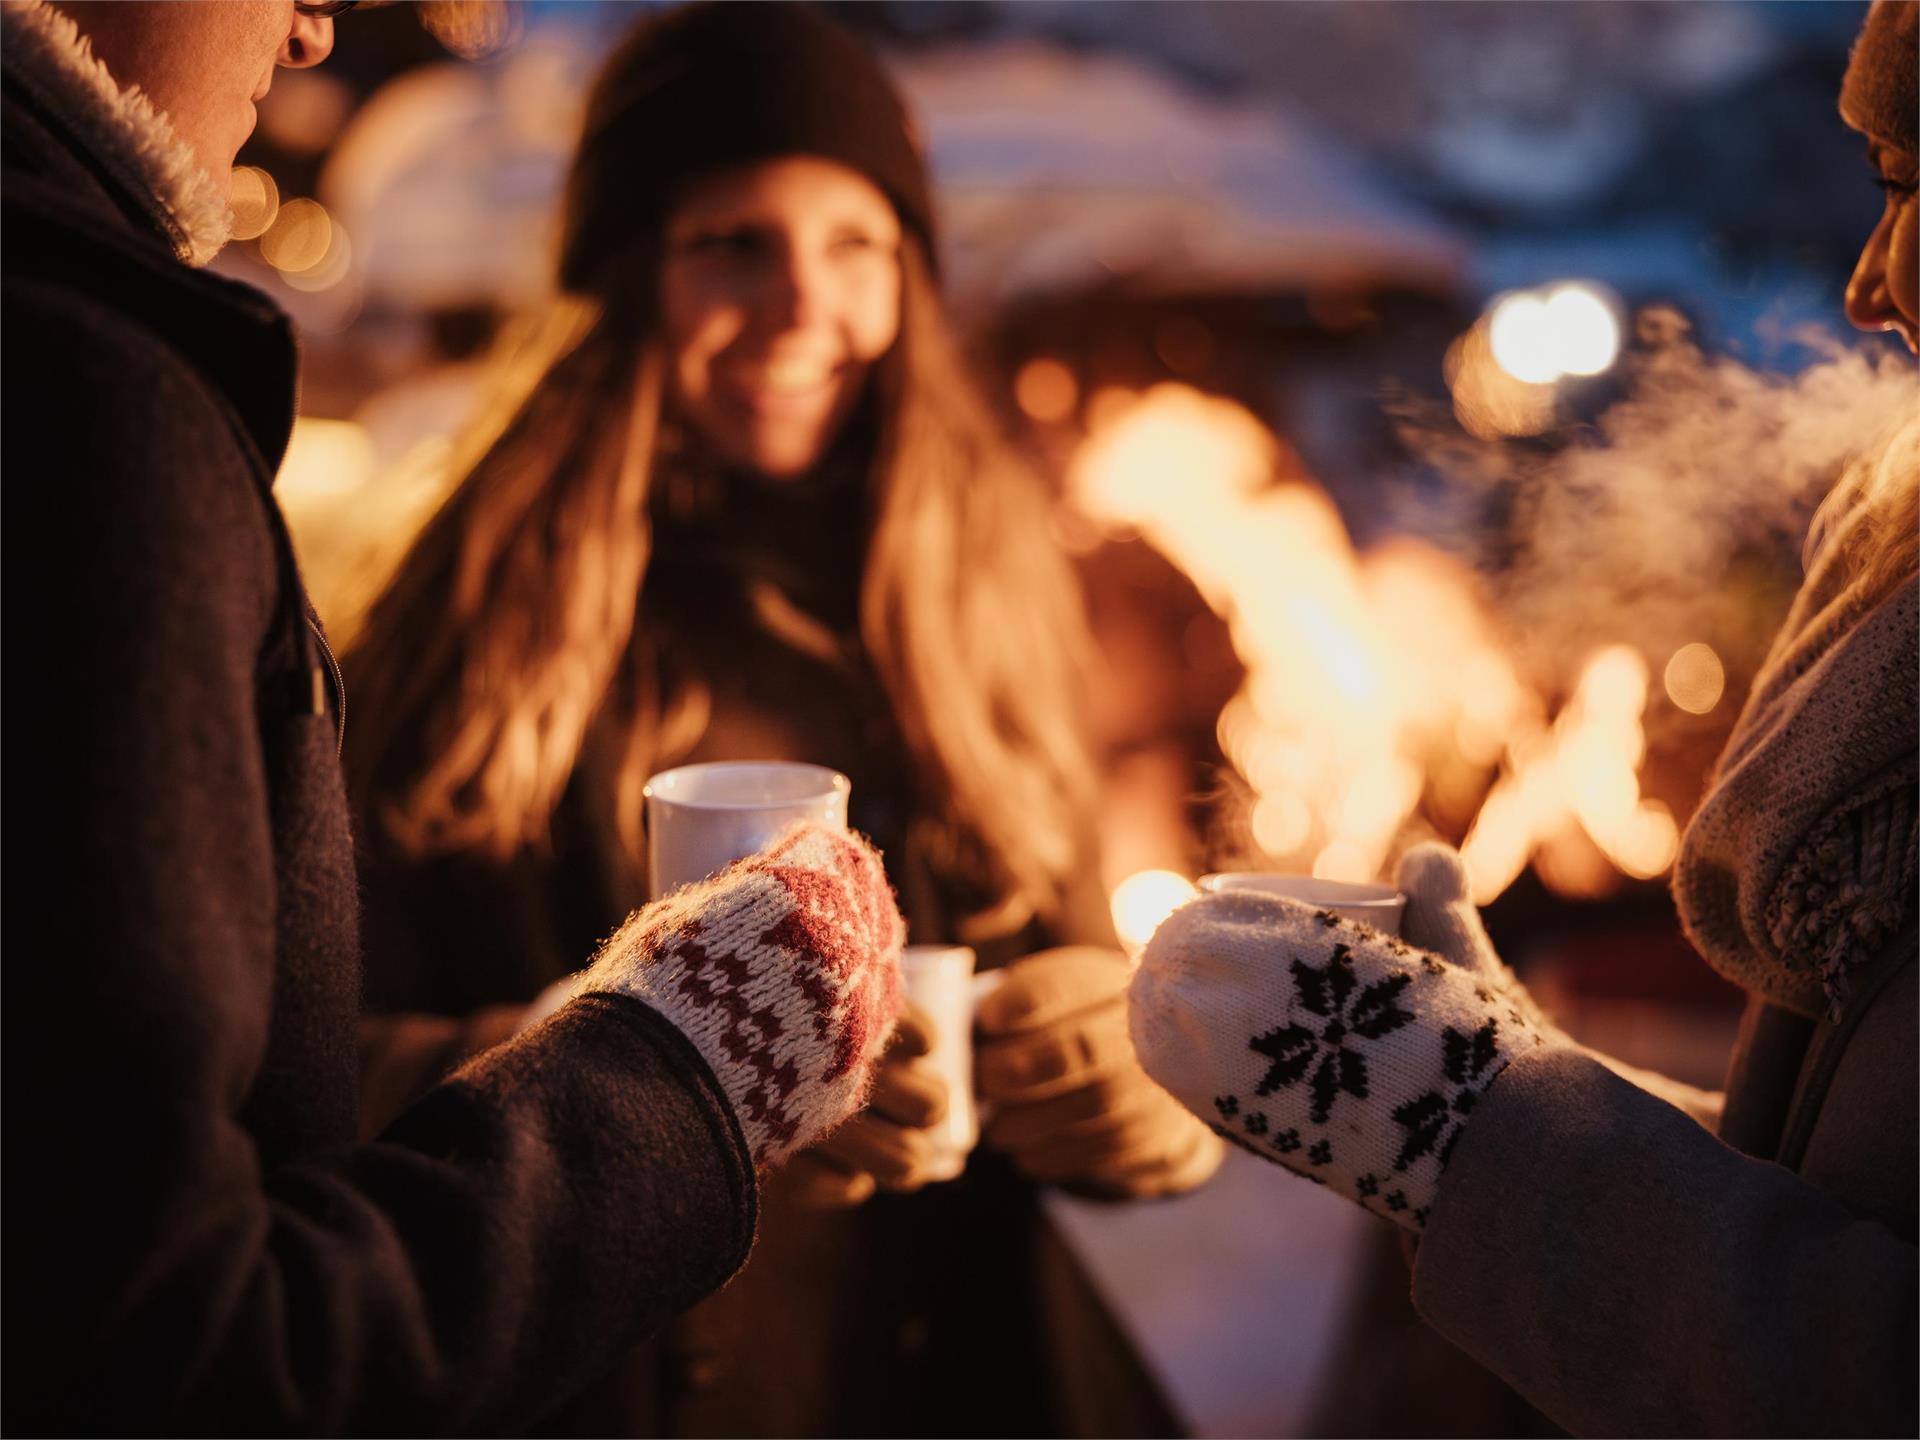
(1335, 995)
(1256, 1123)
(1420, 1217)
(1367, 1186)
(1321, 1153)
(1397, 1201)
(1286, 1141)
(1433, 1121)
(1227, 1105)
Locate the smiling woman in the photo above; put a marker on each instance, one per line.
(780, 289)
(744, 502)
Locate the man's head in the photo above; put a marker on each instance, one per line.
(205, 66)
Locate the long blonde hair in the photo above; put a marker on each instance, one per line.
(516, 617)
(1877, 503)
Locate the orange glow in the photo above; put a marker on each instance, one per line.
(1046, 391)
(1356, 667)
(1282, 823)
(1584, 769)
(324, 458)
(474, 29)
(1343, 860)
(1372, 681)
(1489, 401)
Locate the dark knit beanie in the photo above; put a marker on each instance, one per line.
(1879, 96)
(724, 83)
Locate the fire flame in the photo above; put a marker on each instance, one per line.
(1378, 702)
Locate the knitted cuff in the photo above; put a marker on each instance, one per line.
(784, 973)
(1348, 1056)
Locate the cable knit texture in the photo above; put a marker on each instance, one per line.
(121, 127)
(784, 971)
(1350, 1057)
(1799, 863)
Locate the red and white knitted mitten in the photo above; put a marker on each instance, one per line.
(784, 971)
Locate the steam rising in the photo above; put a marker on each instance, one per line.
(1510, 702)
(1677, 519)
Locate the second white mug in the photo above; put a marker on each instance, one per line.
(939, 981)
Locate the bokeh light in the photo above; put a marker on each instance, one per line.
(1488, 401)
(299, 238)
(1046, 391)
(1695, 678)
(1585, 330)
(1143, 900)
(474, 29)
(1520, 331)
(254, 200)
(1539, 337)
(331, 269)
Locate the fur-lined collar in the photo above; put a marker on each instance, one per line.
(125, 130)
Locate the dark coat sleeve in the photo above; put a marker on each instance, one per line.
(1631, 1275)
(404, 1056)
(502, 1240)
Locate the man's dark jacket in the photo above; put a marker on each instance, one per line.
(194, 1239)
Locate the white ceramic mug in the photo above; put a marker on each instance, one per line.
(1376, 905)
(702, 818)
(939, 980)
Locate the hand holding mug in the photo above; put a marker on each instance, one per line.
(894, 1144)
(1070, 1103)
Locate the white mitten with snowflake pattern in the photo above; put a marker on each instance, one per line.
(1348, 1056)
(1441, 917)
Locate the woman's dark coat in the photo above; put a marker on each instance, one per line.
(949, 1311)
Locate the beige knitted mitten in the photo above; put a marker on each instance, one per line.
(1348, 1056)
(784, 971)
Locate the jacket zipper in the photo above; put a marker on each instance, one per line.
(339, 685)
